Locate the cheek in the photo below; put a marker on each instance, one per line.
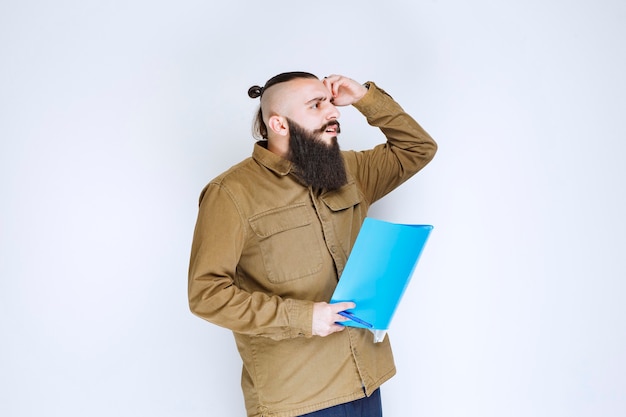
(309, 122)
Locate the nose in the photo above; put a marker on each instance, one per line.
(333, 112)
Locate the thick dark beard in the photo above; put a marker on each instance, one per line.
(316, 163)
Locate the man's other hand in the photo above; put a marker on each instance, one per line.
(326, 316)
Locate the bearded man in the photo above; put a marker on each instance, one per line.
(274, 233)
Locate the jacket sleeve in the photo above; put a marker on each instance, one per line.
(217, 244)
(407, 150)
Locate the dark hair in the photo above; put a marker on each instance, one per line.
(259, 129)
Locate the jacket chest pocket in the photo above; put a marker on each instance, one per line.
(288, 242)
(348, 210)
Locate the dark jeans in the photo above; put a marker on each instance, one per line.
(365, 407)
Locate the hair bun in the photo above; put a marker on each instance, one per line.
(255, 91)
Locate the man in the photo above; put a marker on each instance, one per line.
(273, 235)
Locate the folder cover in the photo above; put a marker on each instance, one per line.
(379, 269)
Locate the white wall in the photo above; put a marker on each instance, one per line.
(113, 115)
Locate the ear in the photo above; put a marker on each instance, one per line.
(278, 125)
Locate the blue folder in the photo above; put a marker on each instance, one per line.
(379, 269)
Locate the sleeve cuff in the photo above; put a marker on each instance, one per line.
(300, 317)
(371, 102)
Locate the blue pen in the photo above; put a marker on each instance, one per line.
(355, 319)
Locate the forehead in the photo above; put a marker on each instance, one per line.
(303, 90)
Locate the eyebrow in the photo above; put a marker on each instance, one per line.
(316, 99)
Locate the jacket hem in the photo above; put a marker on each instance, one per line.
(329, 403)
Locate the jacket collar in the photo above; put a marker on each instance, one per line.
(270, 160)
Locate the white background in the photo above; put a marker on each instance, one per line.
(114, 115)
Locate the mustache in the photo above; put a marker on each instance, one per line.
(330, 124)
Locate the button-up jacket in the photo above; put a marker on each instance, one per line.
(265, 248)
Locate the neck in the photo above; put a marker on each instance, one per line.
(278, 146)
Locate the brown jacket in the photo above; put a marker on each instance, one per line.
(265, 248)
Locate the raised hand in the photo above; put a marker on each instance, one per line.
(345, 91)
